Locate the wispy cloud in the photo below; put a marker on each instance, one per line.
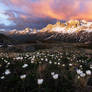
(30, 11)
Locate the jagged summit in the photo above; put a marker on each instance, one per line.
(23, 32)
(70, 26)
(70, 31)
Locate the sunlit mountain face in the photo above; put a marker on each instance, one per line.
(68, 27)
(71, 31)
(19, 14)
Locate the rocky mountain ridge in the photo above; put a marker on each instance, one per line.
(70, 31)
(71, 26)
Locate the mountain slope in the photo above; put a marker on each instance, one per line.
(6, 39)
(70, 31)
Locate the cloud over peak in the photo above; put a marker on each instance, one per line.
(30, 11)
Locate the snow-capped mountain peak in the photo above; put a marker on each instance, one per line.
(71, 26)
(23, 32)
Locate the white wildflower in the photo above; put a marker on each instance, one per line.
(8, 63)
(23, 76)
(79, 71)
(25, 65)
(46, 59)
(90, 66)
(78, 77)
(39, 81)
(5, 61)
(7, 72)
(50, 62)
(59, 59)
(80, 66)
(70, 64)
(55, 76)
(58, 63)
(63, 64)
(82, 74)
(42, 59)
(52, 73)
(88, 72)
(83, 61)
(2, 77)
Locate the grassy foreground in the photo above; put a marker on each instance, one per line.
(51, 70)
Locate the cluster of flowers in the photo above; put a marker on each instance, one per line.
(74, 62)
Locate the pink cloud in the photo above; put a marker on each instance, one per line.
(56, 9)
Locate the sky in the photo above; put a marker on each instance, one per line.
(19, 14)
